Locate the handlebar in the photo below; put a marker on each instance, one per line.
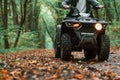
(75, 12)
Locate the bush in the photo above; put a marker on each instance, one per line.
(113, 31)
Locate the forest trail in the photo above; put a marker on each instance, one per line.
(40, 64)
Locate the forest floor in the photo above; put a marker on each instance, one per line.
(40, 64)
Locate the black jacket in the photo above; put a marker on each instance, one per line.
(88, 4)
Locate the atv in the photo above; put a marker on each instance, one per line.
(82, 32)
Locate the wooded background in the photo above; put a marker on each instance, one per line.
(30, 24)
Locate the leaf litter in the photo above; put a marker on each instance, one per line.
(41, 65)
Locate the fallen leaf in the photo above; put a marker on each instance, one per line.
(79, 76)
(110, 73)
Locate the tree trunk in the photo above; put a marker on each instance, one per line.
(23, 16)
(117, 16)
(51, 36)
(36, 12)
(29, 16)
(1, 10)
(15, 15)
(5, 24)
(108, 13)
(96, 14)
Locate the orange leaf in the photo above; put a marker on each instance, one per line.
(79, 76)
(117, 79)
(4, 72)
(56, 75)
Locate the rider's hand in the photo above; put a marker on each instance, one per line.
(66, 6)
(100, 6)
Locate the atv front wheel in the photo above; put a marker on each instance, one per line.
(65, 47)
(104, 48)
(57, 49)
(57, 42)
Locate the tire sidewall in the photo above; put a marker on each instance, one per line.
(65, 47)
(104, 48)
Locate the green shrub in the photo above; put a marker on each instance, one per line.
(113, 31)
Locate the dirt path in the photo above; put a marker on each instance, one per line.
(41, 65)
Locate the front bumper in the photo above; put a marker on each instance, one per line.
(87, 40)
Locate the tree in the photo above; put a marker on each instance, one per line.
(107, 9)
(5, 23)
(15, 15)
(39, 18)
(115, 7)
(23, 16)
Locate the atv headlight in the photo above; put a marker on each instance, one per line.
(73, 24)
(98, 26)
(76, 25)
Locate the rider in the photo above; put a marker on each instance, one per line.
(84, 6)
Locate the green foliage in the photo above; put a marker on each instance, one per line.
(27, 41)
(41, 19)
(17, 49)
(114, 33)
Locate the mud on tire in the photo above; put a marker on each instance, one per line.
(104, 48)
(65, 47)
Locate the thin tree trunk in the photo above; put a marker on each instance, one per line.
(15, 15)
(48, 30)
(96, 14)
(29, 17)
(116, 9)
(1, 10)
(5, 24)
(36, 12)
(23, 16)
(108, 13)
